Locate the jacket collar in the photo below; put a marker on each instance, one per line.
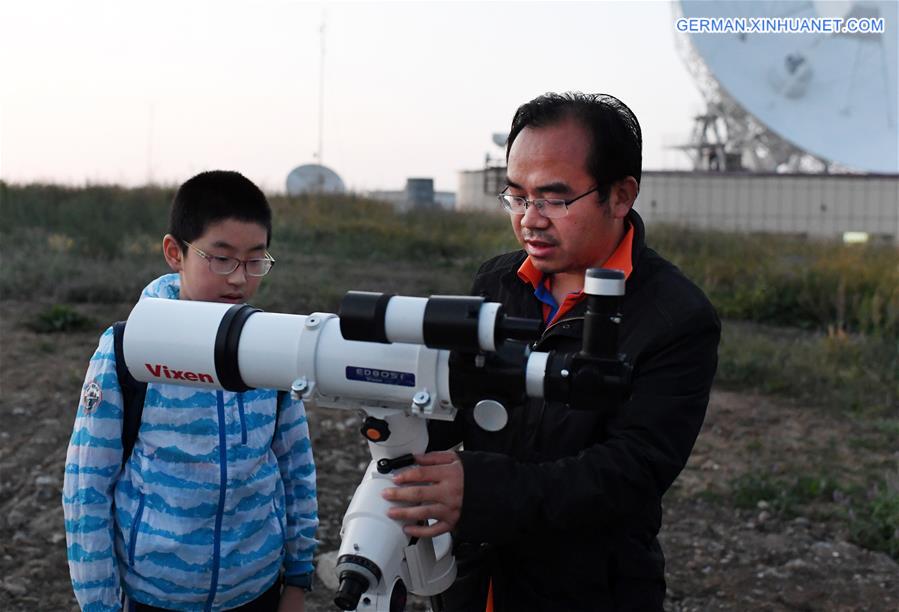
(510, 278)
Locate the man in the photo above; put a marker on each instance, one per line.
(560, 510)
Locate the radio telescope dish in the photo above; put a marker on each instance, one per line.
(832, 96)
(500, 138)
(313, 178)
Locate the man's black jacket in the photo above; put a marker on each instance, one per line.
(569, 501)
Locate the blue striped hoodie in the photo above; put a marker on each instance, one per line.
(211, 506)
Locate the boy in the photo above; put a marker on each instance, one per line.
(218, 495)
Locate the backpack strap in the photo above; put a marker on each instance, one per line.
(280, 400)
(133, 394)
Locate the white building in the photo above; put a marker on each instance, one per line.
(813, 205)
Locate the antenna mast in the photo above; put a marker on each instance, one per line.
(321, 91)
(151, 125)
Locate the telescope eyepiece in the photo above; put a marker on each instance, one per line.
(604, 289)
(604, 282)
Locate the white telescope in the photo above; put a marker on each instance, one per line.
(389, 356)
(394, 377)
(223, 346)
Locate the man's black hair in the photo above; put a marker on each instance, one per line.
(617, 142)
(214, 196)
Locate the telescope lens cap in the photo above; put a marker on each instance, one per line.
(490, 415)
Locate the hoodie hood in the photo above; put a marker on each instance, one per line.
(167, 286)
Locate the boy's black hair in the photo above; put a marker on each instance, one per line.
(617, 142)
(214, 196)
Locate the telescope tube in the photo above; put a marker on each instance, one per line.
(199, 344)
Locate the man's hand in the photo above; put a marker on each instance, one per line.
(293, 599)
(436, 484)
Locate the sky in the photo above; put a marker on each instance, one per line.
(136, 92)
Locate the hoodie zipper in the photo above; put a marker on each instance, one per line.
(243, 419)
(223, 483)
(135, 528)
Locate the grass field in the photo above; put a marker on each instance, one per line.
(65, 243)
(815, 322)
(803, 319)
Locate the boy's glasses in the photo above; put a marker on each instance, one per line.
(549, 208)
(219, 264)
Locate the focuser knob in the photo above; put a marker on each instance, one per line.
(375, 429)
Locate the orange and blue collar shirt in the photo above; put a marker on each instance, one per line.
(542, 283)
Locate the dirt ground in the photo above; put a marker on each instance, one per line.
(719, 557)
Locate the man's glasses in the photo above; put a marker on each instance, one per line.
(549, 208)
(219, 264)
